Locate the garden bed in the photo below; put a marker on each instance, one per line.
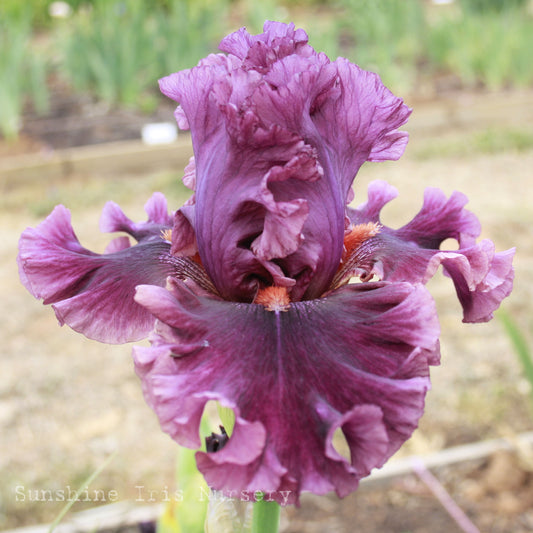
(67, 403)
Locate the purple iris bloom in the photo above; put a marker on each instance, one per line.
(246, 288)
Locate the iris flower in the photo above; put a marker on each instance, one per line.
(247, 292)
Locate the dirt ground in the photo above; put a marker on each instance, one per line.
(67, 403)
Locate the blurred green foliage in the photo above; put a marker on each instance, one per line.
(482, 6)
(520, 345)
(386, 36)
(116, 50)
(482, 43)
(468, 143)
(22, 73)
(35, 12)
(489, 49)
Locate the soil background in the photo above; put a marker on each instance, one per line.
(67, 403)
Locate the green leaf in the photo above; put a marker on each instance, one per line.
(520, 346)
(82, 488)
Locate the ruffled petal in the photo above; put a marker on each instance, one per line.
(356, 360)
(256, 193)
(279, 133)
(345, 112)
(258, 52)
(484, 282)
(113, 219)
(361, 123)
(482, 278)
(93, 293)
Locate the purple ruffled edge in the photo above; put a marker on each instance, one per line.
(482, 277)
(93, 293)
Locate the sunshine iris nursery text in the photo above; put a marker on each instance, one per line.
(141, 494)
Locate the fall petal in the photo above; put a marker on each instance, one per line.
(113, 219)
(482, 278)
(481, 290)
(93, 293)
(358, 373)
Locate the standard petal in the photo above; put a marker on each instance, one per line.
(346, 113)
(356, 359)
(93, 293)
(183, 234)
(258, 52)
(252, 198)
(285, 116)
(362, 123)
(482, 278)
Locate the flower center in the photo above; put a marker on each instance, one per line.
(273, 298)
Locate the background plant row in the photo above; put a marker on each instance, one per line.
(115, 50)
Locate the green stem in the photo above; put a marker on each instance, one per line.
(266, 517)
